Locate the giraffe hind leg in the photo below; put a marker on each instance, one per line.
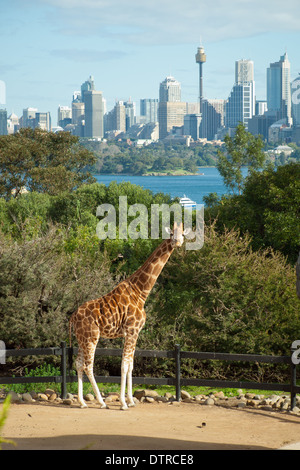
(90, 374)
(80, 366)
(89, 355)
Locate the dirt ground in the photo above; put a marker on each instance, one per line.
(155, 426)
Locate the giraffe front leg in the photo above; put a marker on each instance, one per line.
(129, 384)
(124, 370)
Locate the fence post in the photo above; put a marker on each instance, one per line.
(293, 379)
(177, 372)
(63, 369)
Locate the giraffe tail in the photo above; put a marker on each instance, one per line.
(70, 348)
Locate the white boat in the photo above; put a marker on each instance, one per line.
(187, 202)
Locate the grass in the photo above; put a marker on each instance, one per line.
(49, 370)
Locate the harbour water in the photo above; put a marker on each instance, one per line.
(208, 180)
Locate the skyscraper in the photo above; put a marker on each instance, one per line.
(88, 85)
(279, 89)
(149, 109)
(129, 113)
(93, 106)
(115, 120)
(192, 125)
(170, 90)
(213, 112)
(3, 122)
(296, 101)
(244, 71)
(240, 106)
(28, 117)
(3, 112)
(43, 121)
(200, 59)
(64, 115)
(171, 110)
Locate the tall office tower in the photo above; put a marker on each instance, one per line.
(170, 90)
(64, 115)
(28, 117)
(296, 101)
(93, 109)
(279, 89)
(88, 85)
(213, 112)
(3, 112)
(3, 122)
(12, 123)
(115, 120)
(149, 110)
(191, 125)
(200, 59)
(76, 96)
(171, 110)
(240, 106)
(129, 114)
(170, 114)
(77, 112)
(120, 116)
(261, 107)
(43, 121)
(244, 71)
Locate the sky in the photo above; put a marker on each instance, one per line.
(48, 48)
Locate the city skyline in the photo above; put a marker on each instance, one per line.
(50, 47)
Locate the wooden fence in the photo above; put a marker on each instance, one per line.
(177, 355)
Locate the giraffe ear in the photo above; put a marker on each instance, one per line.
(168, 230)
(186, 231)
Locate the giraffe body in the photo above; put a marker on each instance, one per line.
(120, 313)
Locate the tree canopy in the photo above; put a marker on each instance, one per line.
(42, 161)
(243, 149)
(268, 209)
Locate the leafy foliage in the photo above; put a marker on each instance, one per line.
(121, 158)
(41, 284)
(3, 417)
(268, 209)
(243, 149)
(226, 298)
(42, 161)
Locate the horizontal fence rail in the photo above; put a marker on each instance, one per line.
(177, 381)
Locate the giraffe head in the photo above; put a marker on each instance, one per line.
(177, 234)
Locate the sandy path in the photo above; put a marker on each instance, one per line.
(148, 426)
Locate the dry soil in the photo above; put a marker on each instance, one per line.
(155, 426)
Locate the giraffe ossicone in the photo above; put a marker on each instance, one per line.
(120, 313)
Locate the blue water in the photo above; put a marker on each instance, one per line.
(194, 186)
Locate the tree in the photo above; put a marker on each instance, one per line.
(243, 149)
(42, 282)
(42, 161)
(226, 297)
(268, 209)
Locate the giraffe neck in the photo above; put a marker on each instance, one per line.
(145, 277)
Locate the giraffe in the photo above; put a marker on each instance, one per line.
(120, 313)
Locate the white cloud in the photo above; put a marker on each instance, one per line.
(173, 21)
(87, 55)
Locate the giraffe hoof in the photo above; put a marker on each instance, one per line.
(131, 404)
(102, 407)
(124, 407)
(83, 406)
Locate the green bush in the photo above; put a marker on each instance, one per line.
(41, 285)
(225, 298)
